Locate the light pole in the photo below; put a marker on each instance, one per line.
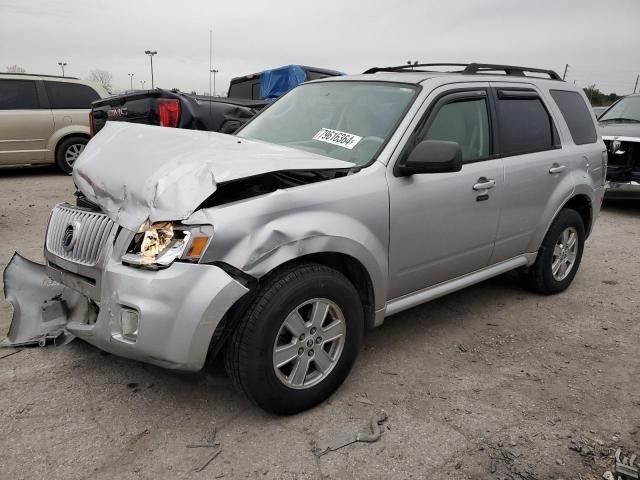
(142, 82)
(214, 71)
(151, 53)
(131, 79)
(62, 65)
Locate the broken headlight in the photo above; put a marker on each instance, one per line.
(158, 245)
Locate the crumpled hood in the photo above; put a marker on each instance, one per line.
(610, 129)
(140, 172)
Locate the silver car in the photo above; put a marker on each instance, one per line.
(620, 129)
(347, 201)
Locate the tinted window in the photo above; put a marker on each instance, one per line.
(70, 95)
(18, 95)
(465, 122)
(311, 75)
(244, 89)
(577, 115)
(524, 126)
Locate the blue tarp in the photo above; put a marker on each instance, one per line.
(278, 81)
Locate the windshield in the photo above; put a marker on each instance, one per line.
(626, 110)
(342, 120)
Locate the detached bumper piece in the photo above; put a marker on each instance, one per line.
(41, 307)
(165, 317)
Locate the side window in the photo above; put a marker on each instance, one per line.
(63, 95)
(464, 121)
(577, 115)
(18, 95)
(524, 125)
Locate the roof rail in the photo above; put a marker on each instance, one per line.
(470, 69)
(412, 67)
(37, 75)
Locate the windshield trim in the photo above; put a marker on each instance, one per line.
(414, 86)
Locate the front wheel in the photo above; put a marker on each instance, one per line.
(298, 340)
(559, 255)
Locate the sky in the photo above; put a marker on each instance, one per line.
(598, 39)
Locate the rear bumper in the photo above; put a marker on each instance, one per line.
(178, 309)
(622, 190)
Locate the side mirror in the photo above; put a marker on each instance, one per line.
(431, 156)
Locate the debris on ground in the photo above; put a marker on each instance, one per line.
(208, 442)
(344, 439)
(208, 460)
(626, 467)
(364, 399)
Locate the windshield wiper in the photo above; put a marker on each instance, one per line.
(621, 120)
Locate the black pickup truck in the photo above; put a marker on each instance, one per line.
(172, 108)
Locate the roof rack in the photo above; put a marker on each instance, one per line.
(469, 69)
(37, 75)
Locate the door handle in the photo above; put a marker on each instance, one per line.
(556, 168)
(484, 184)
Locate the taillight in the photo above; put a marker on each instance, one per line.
(91, 124)
(168, 112)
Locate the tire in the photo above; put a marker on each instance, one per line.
(250, 358)
(67, 152)
(541, 276)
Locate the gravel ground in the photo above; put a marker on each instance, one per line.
(490, 382)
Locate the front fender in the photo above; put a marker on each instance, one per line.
(349, 216)
(293, 236)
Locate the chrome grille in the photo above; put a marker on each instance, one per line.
(78, 235)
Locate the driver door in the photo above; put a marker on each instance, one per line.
(444, 225)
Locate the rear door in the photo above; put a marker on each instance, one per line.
(537, 168)
(70, 102)
(25, 122)
(443, 225)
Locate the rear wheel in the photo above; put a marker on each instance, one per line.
(560, 254)
(298, 340)
(68, 152)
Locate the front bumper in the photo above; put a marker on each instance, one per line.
(629, 190)
(178, 309)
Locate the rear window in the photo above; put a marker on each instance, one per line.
(248, 89)
(64, 95)
(313, 75)
(577, 115)
(524, 125)
(18, 95)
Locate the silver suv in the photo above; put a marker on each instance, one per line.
(348, 200)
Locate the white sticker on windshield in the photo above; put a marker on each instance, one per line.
(336, 137)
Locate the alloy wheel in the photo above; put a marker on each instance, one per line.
(309, 343)
(564, 254)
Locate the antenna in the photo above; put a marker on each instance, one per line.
(210, 65)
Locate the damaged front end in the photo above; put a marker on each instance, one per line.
(623, 169)
(624, 159)
(41, 307)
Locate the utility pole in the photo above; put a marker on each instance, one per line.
(564, 75)
(151, 53)
(214, 71)
(131, 80)
(142, 82)
(62, 65)
(636, 85)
